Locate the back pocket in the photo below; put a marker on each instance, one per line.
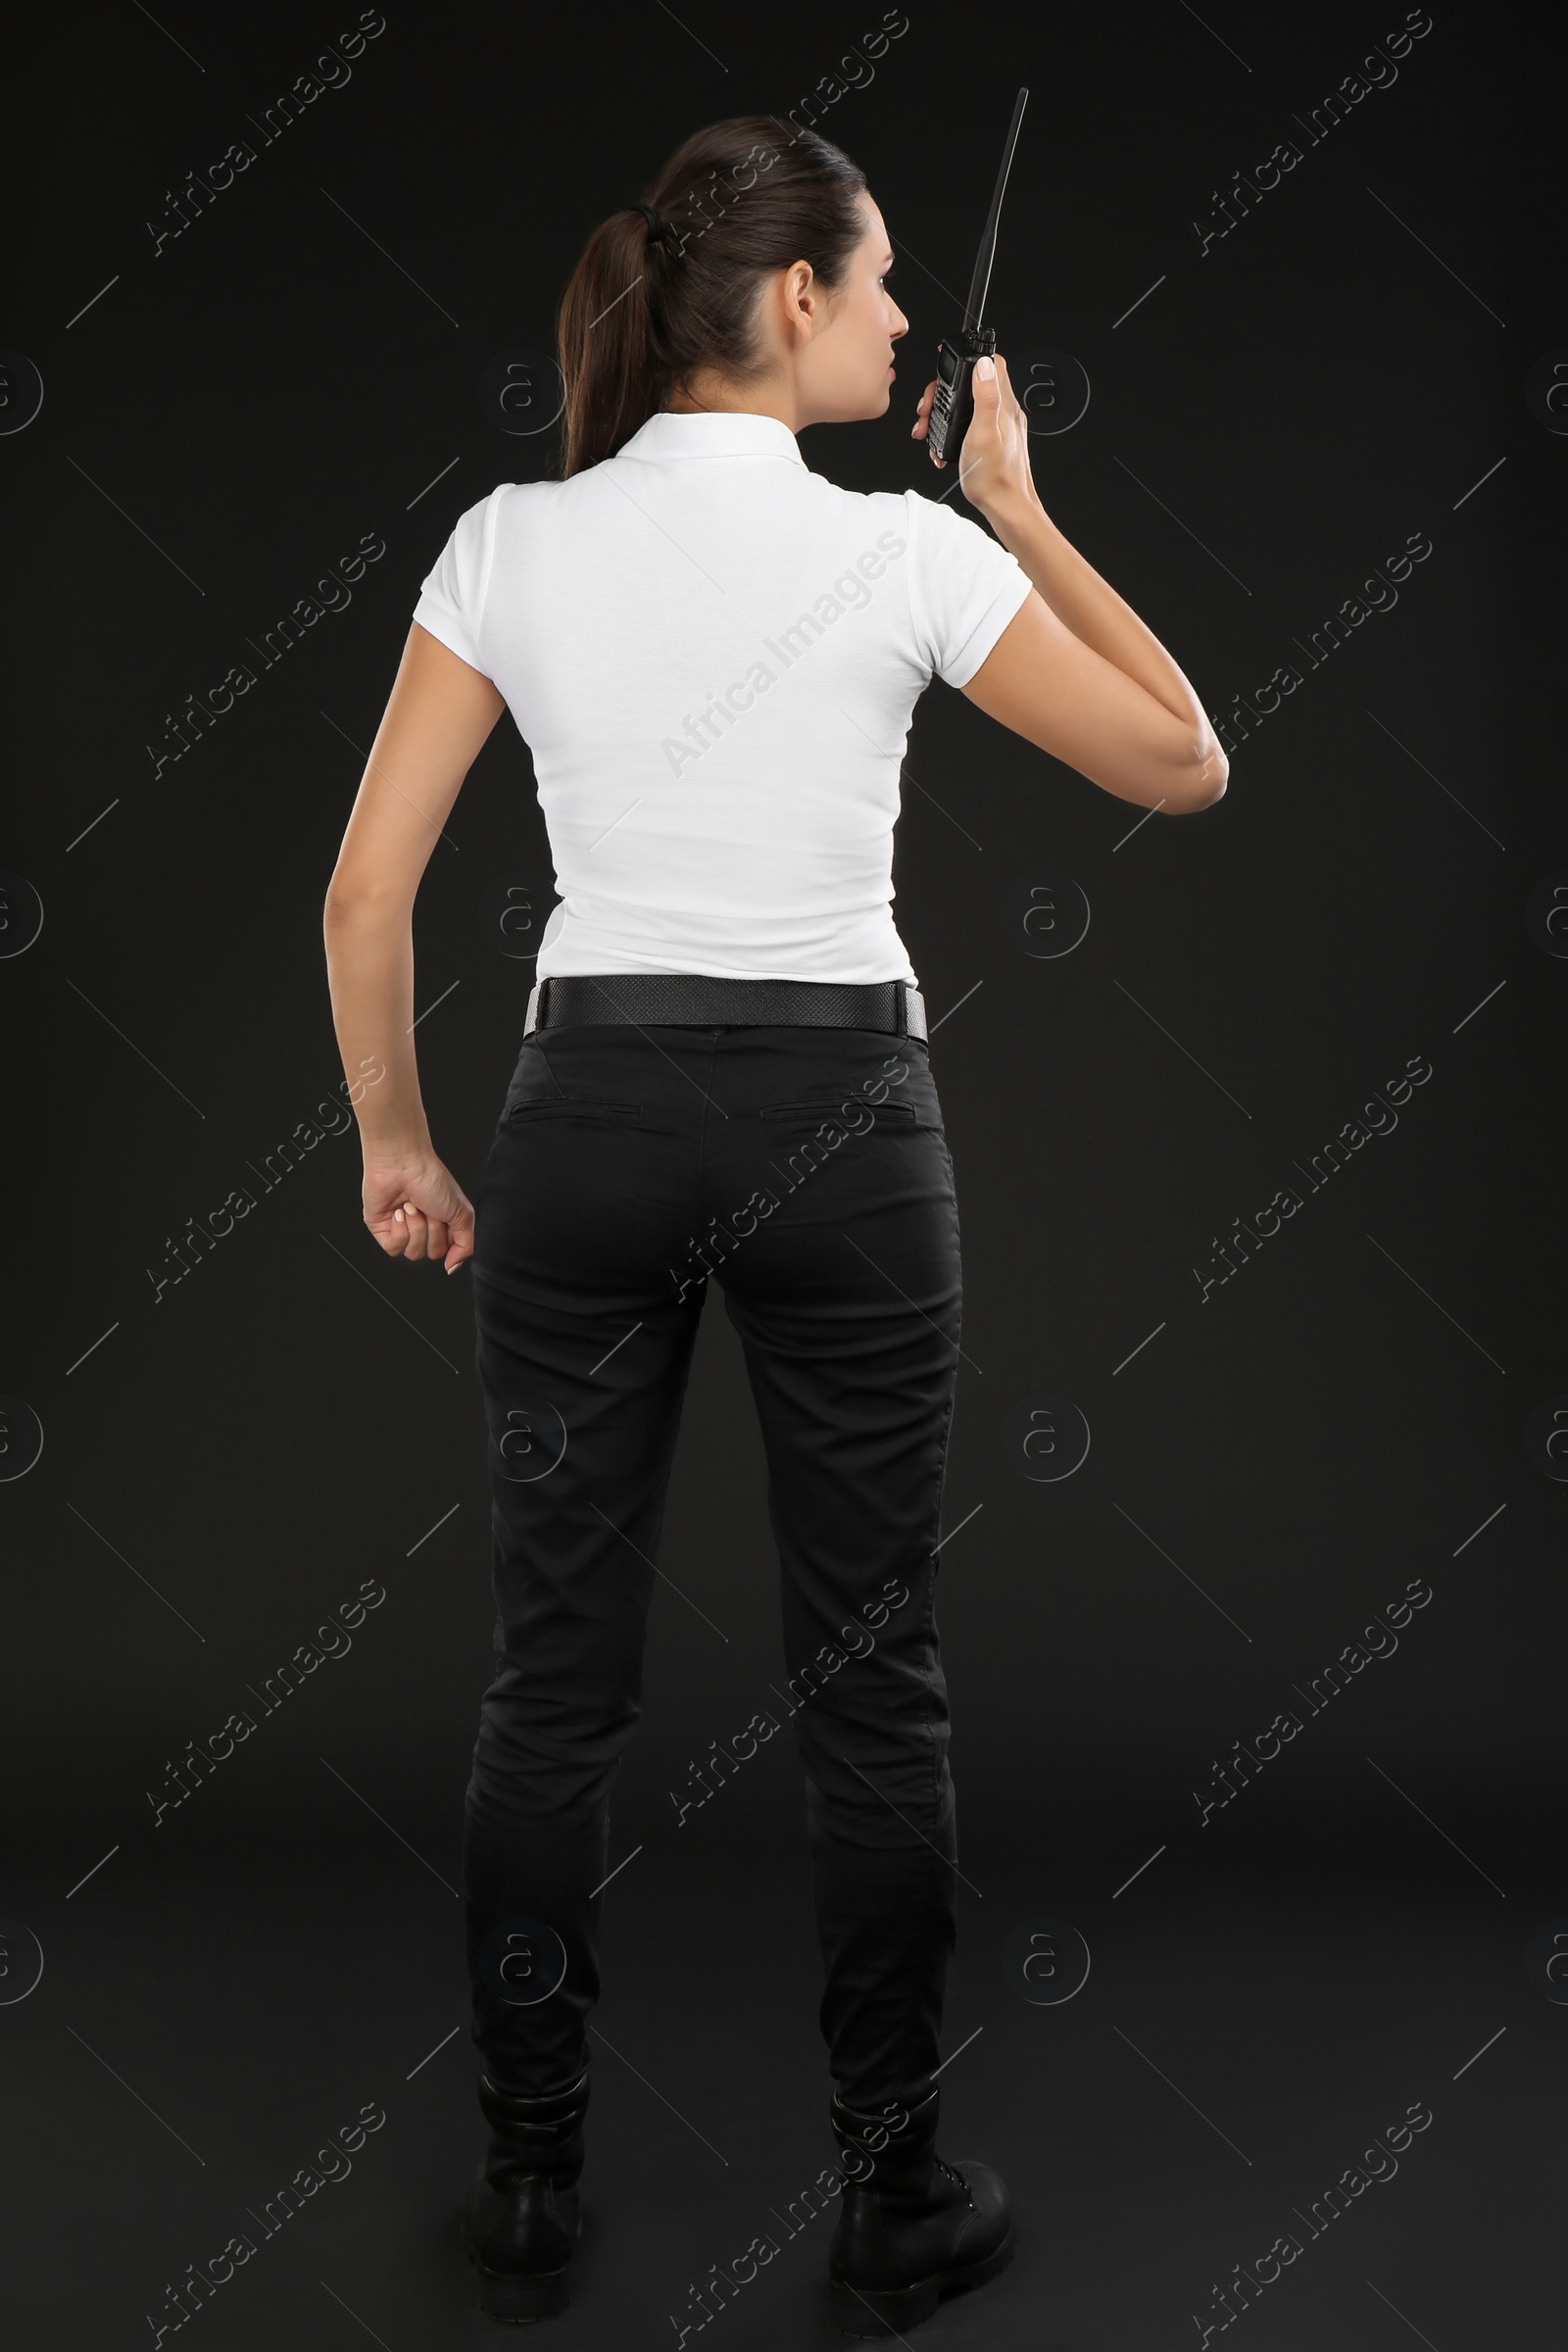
(829, 1108)
(555, 1106)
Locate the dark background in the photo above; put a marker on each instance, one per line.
(223, 1465)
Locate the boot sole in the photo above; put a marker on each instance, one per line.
(519, 2300)
(889, 2310)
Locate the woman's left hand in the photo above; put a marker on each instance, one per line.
(416, 1208)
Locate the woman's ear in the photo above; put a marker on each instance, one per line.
(803, 298)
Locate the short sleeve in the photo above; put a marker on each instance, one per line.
(964, 589)
(451, 602)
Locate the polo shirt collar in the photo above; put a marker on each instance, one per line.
(712, 433)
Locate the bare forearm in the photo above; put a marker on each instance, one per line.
(1091, 607)
(369, 961)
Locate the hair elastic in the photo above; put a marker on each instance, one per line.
(658, 225)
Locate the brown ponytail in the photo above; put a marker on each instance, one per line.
(648, 305)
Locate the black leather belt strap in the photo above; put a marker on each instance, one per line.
(703, 1000)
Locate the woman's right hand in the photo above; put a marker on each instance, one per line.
(993, 461)
(416, 1208)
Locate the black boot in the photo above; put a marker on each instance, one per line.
(522, 2218)
(912, 2229)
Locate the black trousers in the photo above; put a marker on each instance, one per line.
(806, 1172)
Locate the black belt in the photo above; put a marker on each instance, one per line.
(703, 1000)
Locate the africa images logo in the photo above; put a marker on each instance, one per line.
(848, 593)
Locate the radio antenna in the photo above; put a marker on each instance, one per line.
(979, 284)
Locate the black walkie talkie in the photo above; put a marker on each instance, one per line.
(953, 403)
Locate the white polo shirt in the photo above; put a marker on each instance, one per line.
(714, 655)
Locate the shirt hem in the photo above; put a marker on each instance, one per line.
(609, 966)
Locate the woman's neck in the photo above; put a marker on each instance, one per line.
(720, 398)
